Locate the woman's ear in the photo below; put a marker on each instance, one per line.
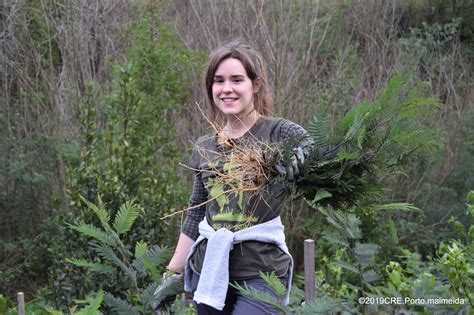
(257, 83)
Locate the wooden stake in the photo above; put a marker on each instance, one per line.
(309, 269)
(21, 303)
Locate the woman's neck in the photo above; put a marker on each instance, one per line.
(236, 127)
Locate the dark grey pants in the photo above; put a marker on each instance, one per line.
(239, 304)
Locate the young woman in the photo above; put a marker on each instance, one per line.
(233, 241)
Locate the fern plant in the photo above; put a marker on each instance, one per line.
(140, 265)
(92, 305)
(343, 171)
(368, 141)
(323, 304)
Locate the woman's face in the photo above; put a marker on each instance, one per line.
(232, 89)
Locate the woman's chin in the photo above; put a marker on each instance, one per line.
(229, 111)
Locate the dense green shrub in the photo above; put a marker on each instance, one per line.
(127, 146)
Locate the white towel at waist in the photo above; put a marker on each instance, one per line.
(214, 278)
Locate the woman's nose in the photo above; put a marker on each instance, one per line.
(227, 88)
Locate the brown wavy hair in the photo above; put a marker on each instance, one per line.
(256, 70)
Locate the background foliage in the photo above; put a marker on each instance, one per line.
(99, 98)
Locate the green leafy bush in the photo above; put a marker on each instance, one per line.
(138, 268)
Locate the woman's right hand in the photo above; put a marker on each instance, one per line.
(292, 169)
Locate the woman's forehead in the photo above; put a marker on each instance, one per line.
(230, 66)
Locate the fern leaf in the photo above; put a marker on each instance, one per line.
(100, 212)
(96, 267)
(352, 286)
(370, 276)
(141, 248)
(261, 296)
(335, 239)
(147, 296)
(333, 222)
(108, 253)
(363, 109)
(94, 304)
(365, 254)
(94, 232)
(52, 311)
(346, 266)
(324, 306)
(418, 107)
(151, 260)
(158, 255)
(120, 306)
(398, 206)
(274, 283)
(356, 127)
(319, 129)
(352, 227)
(296, 294)
(366, 249)
(170, 286)
(125, 217)
(394, 89)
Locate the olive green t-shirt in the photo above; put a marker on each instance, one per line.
(248, 258)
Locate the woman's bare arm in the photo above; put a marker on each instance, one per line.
(181, 252)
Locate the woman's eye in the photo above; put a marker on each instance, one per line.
(218, 80)
(238, 80)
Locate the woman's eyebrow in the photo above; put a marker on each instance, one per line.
(232, 76)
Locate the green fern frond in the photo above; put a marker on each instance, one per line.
(335, 239)
(151, 260)
(352, 286)
(173, 286)
(365, 254)
(296, 294)
(417, 100)
(120, 306)
(397, 206)
(108, 253)
(365, 260)
(346, 266)
(90, 265)
(94, 305)
(396, 86)
(319, 128)
(352, 227)
(141, 248)
(366, 249)
(52, 311)
(141, 265)
(370, 276)
(393, 230)
(363, 109)
(325, 305)
(100, 211)
(158, 255)
(274, 283)
(125, 217)
(261, 296)
(147, 296)
(334, 223)
(94, 232)
(356, 127)
(418, 107)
